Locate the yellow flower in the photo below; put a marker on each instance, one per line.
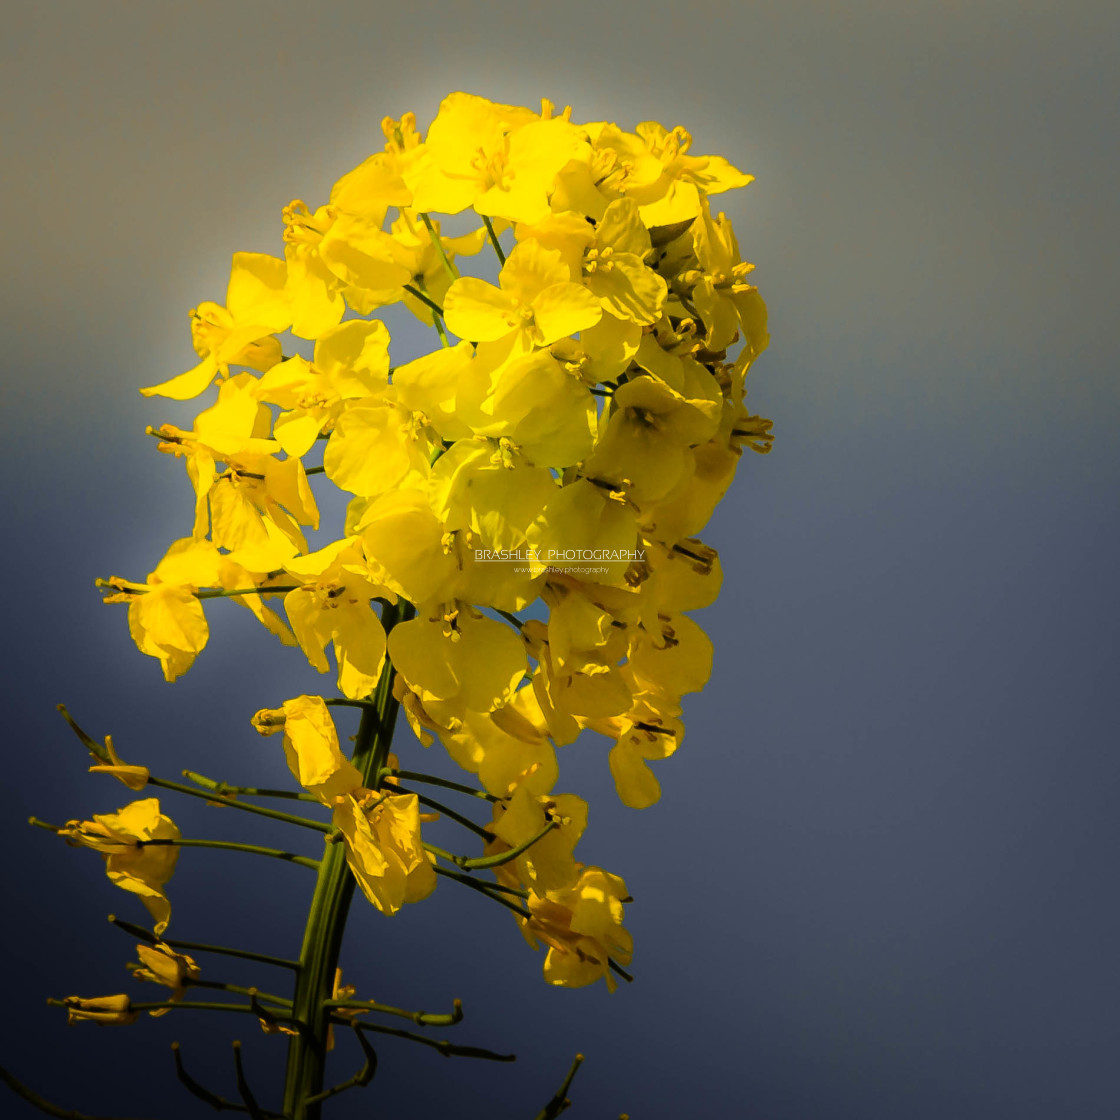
(548, 864)
(236, 505)
(135, 777)
(133, 865)
(500, 159)
(311, 746)
(415, 250)
(160, 964)
(584, 517)
(476, 487)
(403, 542)
(103, 1010)
(535, 305)
(375, 447)
(508, 748)
(333, 605)
(165, 617)
(609, 257)
(241, 333)
(582, 926)
(458, 663)
(649, 730)
(351, 362)
(383, 847)
(651, 166)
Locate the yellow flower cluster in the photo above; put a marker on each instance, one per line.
(381, 830)
(534, 486)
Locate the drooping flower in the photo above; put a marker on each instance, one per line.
(160, 964)
(140, 850)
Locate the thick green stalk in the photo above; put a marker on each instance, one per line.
(326, 921)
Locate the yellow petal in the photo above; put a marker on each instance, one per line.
(186, 385)
(479, 312)
(564, 309)
(256, 293)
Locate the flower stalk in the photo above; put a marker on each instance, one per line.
(326, 920)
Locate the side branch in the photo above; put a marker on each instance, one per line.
(42, 1104)
(198, 946)
(446, 1048)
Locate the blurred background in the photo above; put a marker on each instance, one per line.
(881, 880)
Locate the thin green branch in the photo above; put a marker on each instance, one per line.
(42, 1104)
(420, 1018)
(91, 744)
(481, 863)
(253, 993)
(212, 1099)
(452, 271)
(37, 823)
(446, 1048)
(198, 946)
(482, 888)
(485, 862)
(494, 239)
(617, 968)
(233, 846)
(224, 789)
(247, 1097)
(437, 316)
(230, 593)
(215, 798)
(361, 1079)
(430, 779)
(451, 814)
(423, 298)
(559, 1102)
(185, 1004)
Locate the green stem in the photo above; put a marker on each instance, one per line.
(224, 789)
(195, 1005)
(494, 239)
(512, 619)
(429, 779)
(236, 989)
(560, 1102)
(437, 315)
(216, 798)
(199, 946)
(421, 1018)
(224, 593)
(484, 888)
(482, 862)
(233, 846)
(423, 298)
(458, 818)
(438, 243)
(442, 1045)
(210, 592)
(326, 920)
(42, 1104)
(437, 322)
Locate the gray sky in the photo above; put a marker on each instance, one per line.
(881, 882)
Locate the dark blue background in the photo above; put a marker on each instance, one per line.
(881, 882)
